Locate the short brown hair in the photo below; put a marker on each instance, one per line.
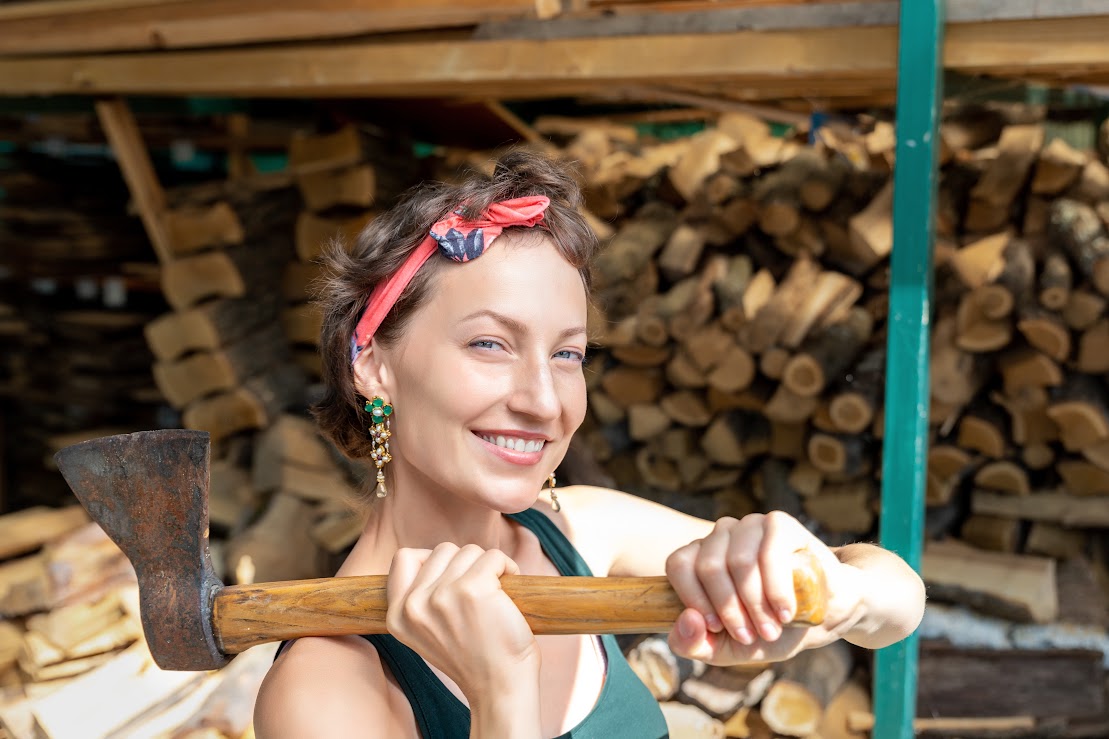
(381, 248)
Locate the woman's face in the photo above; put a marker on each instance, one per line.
(487, 379)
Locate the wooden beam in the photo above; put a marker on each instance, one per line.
(134, 161)
(81, 26)
(521, 68)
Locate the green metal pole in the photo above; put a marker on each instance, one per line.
(905, 446)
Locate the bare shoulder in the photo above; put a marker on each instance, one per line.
(619, 533)
(327, 687)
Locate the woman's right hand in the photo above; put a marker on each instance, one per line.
(447, 604)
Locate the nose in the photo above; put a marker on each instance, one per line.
(535, 390)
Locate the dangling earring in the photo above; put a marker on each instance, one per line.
(379, 412)
(554, 496)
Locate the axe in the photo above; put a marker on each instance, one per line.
(149, 492)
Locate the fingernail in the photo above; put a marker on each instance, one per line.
(684, 629)
(785, 615)
(713, 622)
(744, 636)
(770, 631)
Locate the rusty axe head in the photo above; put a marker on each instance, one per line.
(149, 492)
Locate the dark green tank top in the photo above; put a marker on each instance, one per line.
(624, 710)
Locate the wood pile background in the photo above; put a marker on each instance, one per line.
(740, 339)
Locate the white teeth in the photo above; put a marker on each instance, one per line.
(517, 445)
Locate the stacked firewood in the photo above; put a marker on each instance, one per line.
(73, 661)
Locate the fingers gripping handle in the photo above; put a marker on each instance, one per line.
(246, 615)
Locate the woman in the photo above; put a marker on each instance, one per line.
(476, 338)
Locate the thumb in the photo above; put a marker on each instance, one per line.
(690, 637)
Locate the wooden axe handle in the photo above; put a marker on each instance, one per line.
(246, 615)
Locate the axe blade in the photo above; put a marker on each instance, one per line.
(149, 492)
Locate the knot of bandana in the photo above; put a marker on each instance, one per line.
(455, 238)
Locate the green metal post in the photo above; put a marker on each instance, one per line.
(905, 446)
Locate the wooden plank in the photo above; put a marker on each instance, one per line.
(78, 26)
(1074, 511)
(565, 66)
(134, 161)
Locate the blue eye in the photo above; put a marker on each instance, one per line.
(485, 344)
(571, 354)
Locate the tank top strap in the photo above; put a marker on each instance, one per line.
(555, 544)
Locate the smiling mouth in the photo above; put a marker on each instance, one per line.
(514, 444)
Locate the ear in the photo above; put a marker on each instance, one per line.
(372, 375)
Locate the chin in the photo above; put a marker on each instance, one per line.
(509, 499)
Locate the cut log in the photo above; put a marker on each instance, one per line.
(658, 667)
(318, 152)
(852, 699)
(773, 361)
(1075, 511)
(1017, 587)
(1055, 541)
(1055, 282)
(956, 375)
(689, 722)
(303, 323)
(687, 408)
(824, 358)
(1023, 367)
(1082, 478)
(795, 704)
(806, 479)
(210, 325)
(981, 262)
(766, 327)
(1037, 456)
(733, 372)
(700, 160)
(844, 508)
(976, 330)
(646, 421)
(839, 454)
(1077, 227)
(827, 304)
(27, 530)
(978, 682)
(732, 287)
(254, 405)
(682, 252)
(195, 229)
(948, 466)
(657, 471)
(1046, 332)
(1093, 349)
(786, 406)
(984, 429)
(721, 691)
(1004, 177)
(315, 484)
(683, 373)
(1058, 167)
(707, 346)
(182, 381)
(280, 544)
(300, 281)
(992, 533)
(627, 386)
(1081, 409)
(354, 187)
(871, 230)
(314, 233)
(1084, 308)
(1093, 183)
(634, 244)
(229, 273)
(1003, 476)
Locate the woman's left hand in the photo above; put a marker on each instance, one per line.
(737, 584)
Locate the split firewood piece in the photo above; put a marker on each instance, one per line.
(846, 456)
(689, 722)
(795, 704)
(707, 346)
(957, 375)
(635, 243)
(683, 373)
(733, 285)
(338, 530)
(1082, 234)
(806, 479)
(844, 508)
(1058, 507)
(773, 488)
(1045, 331)
(1098, 454)
(1038, 456)
(702, 307)
(871, 230)
(302, 323)
(733, 372)
(1055, 282)
(607, 411)
(682, 252)
(280, 544)
(68, 626)
(721, 691)
(824, 357)
(24, 586)
(315, 484)
(299, 281)
(195, 229)
(1093, 355)
(992, 533)
(980, 262)
(984, 429)
(627, 386)
(1024, 367)
(773, 361)
(11, 640)
(830, 299)
(209, 326)
(982, 323)
(1092, 185)
(1083, 478)
(823, 183)
(1014, 586)
(948, 465)
(354, 186)
(658, 667)
(1029, 422)
(1055, 541)
(317, 152)
(657, 471)
(253, 405)
(1084, 308)
(1004, 177)
(700, 160)
(736, 436)
(227, 273)
(859, 398)
(646, 421)
(26, 530)
(315, 233)
(1004, 476)
(1080, 406)
(786, 406)
(290, 439)
(1058, 167)
(182, 381)
(687, 408)
(767, 325)
(851, 699)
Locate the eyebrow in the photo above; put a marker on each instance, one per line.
(516, 326)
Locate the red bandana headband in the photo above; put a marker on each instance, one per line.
(455, 238)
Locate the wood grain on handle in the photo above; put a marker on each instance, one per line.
(246, 615)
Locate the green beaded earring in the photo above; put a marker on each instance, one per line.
(380, 411)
